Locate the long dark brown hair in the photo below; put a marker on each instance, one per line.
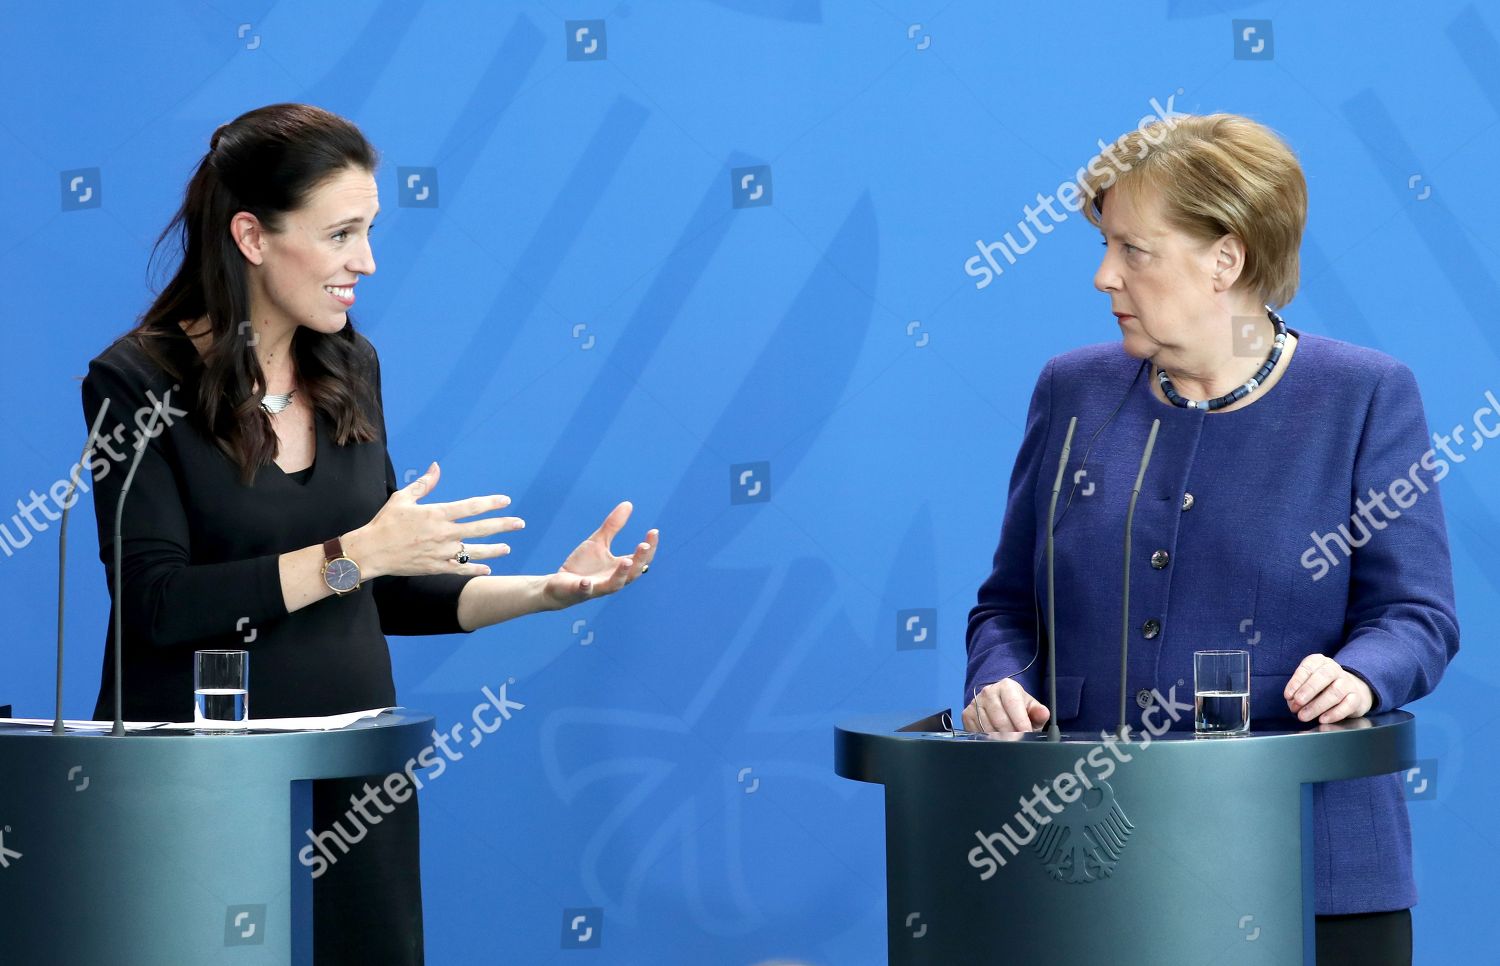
(266, 162)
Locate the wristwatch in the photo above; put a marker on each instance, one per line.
(340, 573)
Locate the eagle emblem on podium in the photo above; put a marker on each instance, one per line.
(1083, 842)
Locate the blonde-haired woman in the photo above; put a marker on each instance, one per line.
(1270, 514)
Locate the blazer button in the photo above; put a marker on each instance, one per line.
(1159, 559)
(1143, 699)
(1187, 501)
(1151, 628)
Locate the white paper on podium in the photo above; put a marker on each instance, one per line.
(331, 722)
(80, 725)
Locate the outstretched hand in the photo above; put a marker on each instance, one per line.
(592, 570)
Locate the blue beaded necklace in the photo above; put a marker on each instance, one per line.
(1238, 392)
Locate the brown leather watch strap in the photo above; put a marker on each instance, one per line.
(332, 549)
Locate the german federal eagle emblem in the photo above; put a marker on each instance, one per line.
(1084, 841)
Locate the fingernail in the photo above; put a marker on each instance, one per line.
(486, 571)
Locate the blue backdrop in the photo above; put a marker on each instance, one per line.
(709, 256)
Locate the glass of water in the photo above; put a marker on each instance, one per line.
(221, 690)
(1221, 692)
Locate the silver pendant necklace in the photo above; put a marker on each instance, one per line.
(274, 404)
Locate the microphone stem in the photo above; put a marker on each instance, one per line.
(1054, 733)
(1123, 732)
(62, 558)
(140, 450)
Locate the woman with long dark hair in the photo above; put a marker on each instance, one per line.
(265, 513)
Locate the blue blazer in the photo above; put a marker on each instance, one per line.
(1307, 522)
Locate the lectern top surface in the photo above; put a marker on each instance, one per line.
(892, 748)
(936, 726)
(392, 718)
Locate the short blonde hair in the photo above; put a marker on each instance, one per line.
(1216, 174)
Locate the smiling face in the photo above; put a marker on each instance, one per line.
(307, 269)
(1162, 280)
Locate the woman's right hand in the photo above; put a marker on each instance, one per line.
(1004, 706)
(408, 538)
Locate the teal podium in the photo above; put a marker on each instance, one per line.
(171, 849)
(1190, 850)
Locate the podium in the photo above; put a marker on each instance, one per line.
(156, 848)
(1192, 850)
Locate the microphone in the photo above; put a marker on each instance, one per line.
(62, 558)
(140, 450)
(1124, 730)
(1053, 732)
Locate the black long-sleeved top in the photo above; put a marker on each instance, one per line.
(200, 553)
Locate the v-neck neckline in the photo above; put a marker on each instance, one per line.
(312, 469)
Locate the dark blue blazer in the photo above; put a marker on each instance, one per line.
(1307, 522)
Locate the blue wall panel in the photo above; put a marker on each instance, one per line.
(597, 308)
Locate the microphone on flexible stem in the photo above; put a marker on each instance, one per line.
(1124, 730)
(62, 558)
(140, 450)
(1053, 732)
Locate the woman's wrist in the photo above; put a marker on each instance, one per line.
(545, 601)
(359, 548)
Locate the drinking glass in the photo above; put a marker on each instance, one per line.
(1221, 692)
(221, 690)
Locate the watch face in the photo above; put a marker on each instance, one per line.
(342, 575)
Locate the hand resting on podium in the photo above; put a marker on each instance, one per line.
(1004, 706)
(1321, 688)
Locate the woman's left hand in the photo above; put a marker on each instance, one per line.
(1321, 688)
(592, 570)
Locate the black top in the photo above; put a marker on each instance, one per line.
(200, 557)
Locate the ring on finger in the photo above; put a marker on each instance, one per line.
(463, 555)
